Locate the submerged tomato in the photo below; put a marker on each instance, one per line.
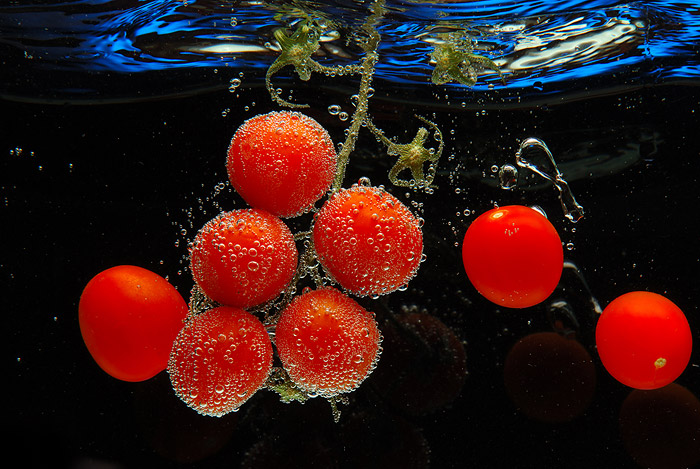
(243, 258)
(549, 377)
(327, 342)
(281, 162)
(129, 317)
(368, 241)
(219, 360)
(513, 256)
(643, 340)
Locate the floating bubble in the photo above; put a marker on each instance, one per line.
(507, 177)
(572, 210)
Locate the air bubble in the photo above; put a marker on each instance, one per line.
(507, 177)
(234, 84)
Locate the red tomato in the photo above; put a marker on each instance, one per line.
(643, 340)
(281, 162)
(368, 241)
(513, 256)
(660, 427)
(327, 342)
(243, 258)
(419, 379)
(549, 377)
(129, 317)
(219, 360)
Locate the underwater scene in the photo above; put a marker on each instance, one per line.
(351, 234)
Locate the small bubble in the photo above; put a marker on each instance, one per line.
(507, 176)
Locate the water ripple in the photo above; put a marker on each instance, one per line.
(542, 46)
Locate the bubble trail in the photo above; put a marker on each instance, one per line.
(566, 197)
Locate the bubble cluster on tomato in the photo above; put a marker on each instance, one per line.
(281, 162)
(243, 257)
(367, 240)
(327, 342)
(219, 360)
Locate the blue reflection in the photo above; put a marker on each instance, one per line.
(547, 41)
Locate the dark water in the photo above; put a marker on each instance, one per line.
(115, 121)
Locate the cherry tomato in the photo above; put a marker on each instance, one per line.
(549, 377)
(244, 257)
(513, 256)
(129, 317)
(660, 427)
(419, 379)
(368, 241)
(643, 340)
(219, 360)
(327, 342)
(281, 162)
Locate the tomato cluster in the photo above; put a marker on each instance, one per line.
(281, 163)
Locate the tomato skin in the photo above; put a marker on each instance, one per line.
(327, 342)
(368, 241)
(219, 360)
(129, 317)
(243, 258)
(636, 330)
(281, 162)
(513, 256)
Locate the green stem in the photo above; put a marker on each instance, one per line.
(367, 73)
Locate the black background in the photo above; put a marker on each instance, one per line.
(102, 184)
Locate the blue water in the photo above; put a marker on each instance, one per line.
(541, 46)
